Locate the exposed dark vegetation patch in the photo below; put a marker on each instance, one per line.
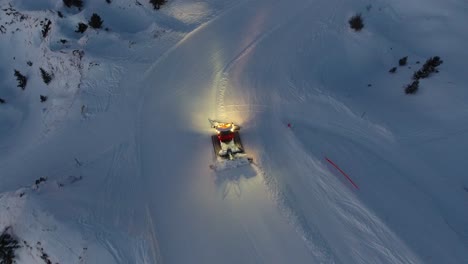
(356, 22)
(157, 3)
(412, 88)
(403, 61)
(13, 16)
(81, 28)
(46, 28)
(43, 98)
(46, 77)
(430, 66)
(29, 63)
(2, 101)
(41, 179)
(18, 16)
(71, 3)
(22, 80)
(45, 257)
(95, 21)
(8, 246)
(60, 14)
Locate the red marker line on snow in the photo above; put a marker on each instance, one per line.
(342, 172)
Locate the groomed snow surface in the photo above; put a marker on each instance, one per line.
(114, 166)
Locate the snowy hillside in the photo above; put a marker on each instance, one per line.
(106, 143)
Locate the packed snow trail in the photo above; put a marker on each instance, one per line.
(236, 216)
(199, 216)
(310, 88)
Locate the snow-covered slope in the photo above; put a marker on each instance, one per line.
(123, 141)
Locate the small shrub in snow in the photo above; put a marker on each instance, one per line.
(412, 88)
(43, 255)
(60, 14)
(41, 179)
(46, 28)
(46, 77)
(420, 74)
(8, 246)
(70, 3)
(157, 3)
(392, 70)
(2, 101)
(403, 61)
(429, 67)
(356, 22)
(43, 98)
(433, 62)
(22, 80)
(95, 21)
(29, 63)
(109, 1)
(81, 28)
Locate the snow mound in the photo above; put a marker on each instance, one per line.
(225, 164)
(41, 237)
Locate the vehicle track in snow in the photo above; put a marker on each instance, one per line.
(259, 37)
(372, 241)
(250, 197)
(314, 240)
(222, 77)
(295, 188)
(153, 238)
(96, 99)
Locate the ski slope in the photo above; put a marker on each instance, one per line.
(244, 77)
(128, 177)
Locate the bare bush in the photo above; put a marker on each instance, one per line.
(356, 22)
